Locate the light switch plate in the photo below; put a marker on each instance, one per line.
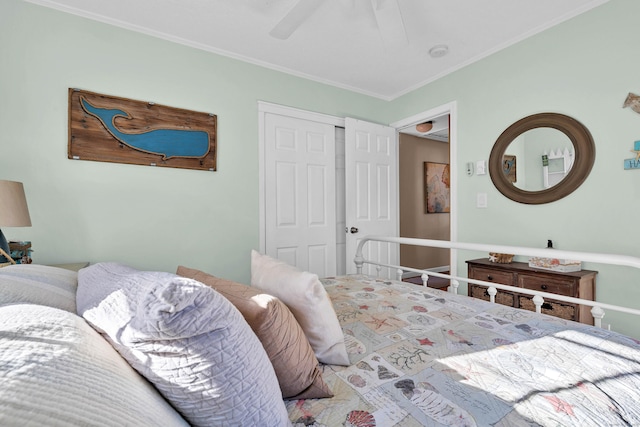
(481, 200)
(481, 167)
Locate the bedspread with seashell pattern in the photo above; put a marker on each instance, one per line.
(424, 357)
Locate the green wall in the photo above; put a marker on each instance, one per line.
(157, 218)
(151, 218)
(584, 68)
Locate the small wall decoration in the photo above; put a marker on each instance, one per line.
(509, 167)
(436, 184)
(120, 130)
(633, 102)
(635, 162)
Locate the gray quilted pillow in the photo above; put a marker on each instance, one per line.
(38, 284)
(187, 340)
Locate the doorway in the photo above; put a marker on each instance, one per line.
(417, 147)
(424, 195)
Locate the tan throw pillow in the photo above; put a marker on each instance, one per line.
(305, 296)
(283, 339)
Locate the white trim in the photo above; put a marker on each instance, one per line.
(453, 190)
(204, 47)
(420, 117)
(388, 97)
(451, 109)
(262, 226)
(507, 43)
(440, 269)
(297, 113)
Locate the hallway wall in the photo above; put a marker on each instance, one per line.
(414, 219)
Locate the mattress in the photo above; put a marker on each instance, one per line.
(424, 357)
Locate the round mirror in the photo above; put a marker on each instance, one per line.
(541, 158)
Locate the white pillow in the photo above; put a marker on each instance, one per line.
(38, 284)
(57, 371)
(187, 340)
(309, 302)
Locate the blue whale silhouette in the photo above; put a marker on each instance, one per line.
(165, 142)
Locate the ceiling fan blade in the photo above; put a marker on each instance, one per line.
(300, 11)
(390, 23)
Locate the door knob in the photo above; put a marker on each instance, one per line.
(353, 230)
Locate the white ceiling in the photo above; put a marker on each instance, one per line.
(340, 43)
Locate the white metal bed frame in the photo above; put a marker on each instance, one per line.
(597, 310)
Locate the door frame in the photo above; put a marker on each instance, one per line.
(449, 108)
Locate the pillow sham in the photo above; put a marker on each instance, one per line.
(57, 371)
(38, 284)
(187, 340)
(309, 302)
(284, 341)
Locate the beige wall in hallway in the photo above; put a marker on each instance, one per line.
(414, 221)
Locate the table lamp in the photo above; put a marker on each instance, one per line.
(13, 212)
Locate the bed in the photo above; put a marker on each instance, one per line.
(425, 357)
(157, 348)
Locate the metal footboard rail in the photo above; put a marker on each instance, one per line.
(597, 308)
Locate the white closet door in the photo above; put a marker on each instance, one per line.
(371, 192)
(300, 204)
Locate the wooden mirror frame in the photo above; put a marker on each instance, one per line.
(585, 155)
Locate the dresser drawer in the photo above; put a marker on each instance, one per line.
(558, 286)
(578, 284)
(502, 297)
(559, 309)
(495, 276)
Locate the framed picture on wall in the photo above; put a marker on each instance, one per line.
(509, 167)
(105, 128)
(436, 184)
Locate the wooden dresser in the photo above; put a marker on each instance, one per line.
(579, 284)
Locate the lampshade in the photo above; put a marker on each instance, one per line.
(13, 205)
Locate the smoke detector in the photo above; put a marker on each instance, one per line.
(439, 51)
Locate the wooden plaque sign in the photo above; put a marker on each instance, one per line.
(110, 129)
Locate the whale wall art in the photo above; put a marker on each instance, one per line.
(119, 130)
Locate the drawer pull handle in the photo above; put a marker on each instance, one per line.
(490, 278)
(544, 287)
(547, 306)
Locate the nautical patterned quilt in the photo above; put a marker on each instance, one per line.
(424, 357)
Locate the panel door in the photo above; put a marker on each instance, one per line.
(300, 203)
(371, 192)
